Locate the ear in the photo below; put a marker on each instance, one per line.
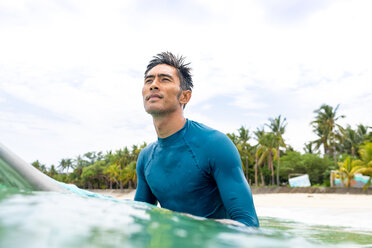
(185, 97)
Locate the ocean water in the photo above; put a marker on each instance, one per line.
(51, 219)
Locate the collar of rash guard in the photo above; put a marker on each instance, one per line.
(174, 137)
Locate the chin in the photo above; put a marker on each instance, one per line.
(154, 111)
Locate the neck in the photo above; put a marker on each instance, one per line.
(168, 124)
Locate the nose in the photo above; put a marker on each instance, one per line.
(154, 84)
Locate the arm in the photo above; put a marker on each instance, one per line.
(232, 185)
(143, 192)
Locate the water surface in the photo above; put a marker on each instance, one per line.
(51, 219)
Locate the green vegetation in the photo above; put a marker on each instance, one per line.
(95, 170)
(318, 168)
(349, 167)
(266, 157)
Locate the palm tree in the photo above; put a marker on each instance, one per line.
(65, 164)
(52, 171)
(112, 172)
(80, 162)
(91, 156)
(365, 152)
(62, 165)
(362, 131)
(267, 151)
(130, 174)
(351, 141)
(244, 148)
(308, 148)
(258, 134)
(278, 126)
(348, 168)
(38, 165)
(121, 159)
(327, 129)
(322, 140)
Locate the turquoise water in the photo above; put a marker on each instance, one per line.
(51, 219)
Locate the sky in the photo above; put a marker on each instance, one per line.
(71, 71)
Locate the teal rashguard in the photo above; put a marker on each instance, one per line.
(197, 170)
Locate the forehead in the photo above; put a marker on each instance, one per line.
(163, 69)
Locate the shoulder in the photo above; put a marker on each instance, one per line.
(214, 146)
(208, 135)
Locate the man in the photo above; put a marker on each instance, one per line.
(191, 168)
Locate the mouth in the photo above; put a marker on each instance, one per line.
(153, 96)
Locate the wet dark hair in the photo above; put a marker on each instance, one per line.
(178, 62)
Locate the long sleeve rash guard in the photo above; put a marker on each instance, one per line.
(197, 170)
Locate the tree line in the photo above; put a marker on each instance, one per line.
(266, 157)
(95, 170)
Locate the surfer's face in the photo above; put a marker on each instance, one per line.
(161, 91)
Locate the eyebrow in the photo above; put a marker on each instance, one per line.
(159, 75)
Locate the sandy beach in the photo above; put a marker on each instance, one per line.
(348, 210)
(331, 201)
